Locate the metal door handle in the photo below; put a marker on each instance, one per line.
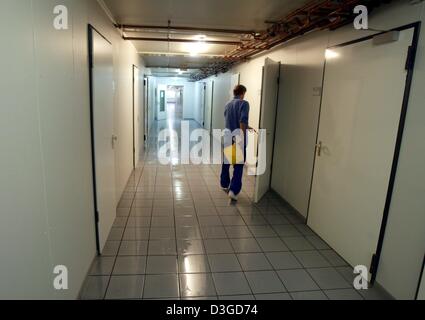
(319, 148)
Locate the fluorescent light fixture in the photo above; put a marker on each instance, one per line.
(330, 54)
(180, 72)
(200, 37)
(198, 47)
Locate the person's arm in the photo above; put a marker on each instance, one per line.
(244, 117)
(244, 127)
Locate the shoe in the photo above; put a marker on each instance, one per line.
(225, 189)
(233, 196)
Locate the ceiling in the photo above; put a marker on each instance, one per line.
(249, 15)
(232, 14)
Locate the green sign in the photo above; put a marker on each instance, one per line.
(162, 101)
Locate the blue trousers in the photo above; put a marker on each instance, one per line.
(236, 183)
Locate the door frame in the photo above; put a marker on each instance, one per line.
(204, 92)
(134, 67)
(420, 279)
(146, 108)
(212, 106)
(91, 29)
(204, 88)
(275, 122)
(410, 63)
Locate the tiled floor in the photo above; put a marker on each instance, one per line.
(177, 236)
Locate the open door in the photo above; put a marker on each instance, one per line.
(360, 131)
(103, 138)
(269, 100)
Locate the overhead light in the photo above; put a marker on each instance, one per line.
(180, 72)
(200, 37)
(195, 48)
(330, 54)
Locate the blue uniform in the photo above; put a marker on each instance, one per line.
(235, 113)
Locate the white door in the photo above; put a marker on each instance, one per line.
(270, 90)
(103, 135)
(234, 81)
(162, 102)
(137, 115)
(208, 105)
(362, 99)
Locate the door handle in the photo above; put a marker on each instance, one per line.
(114, 139)
(319, 148)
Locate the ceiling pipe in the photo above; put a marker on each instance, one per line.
(316, 15)
(127, 27)
(220, 42)
(202, 55)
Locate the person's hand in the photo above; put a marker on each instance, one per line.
(252, 129)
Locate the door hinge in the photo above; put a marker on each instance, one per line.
(144, 137)
(96, 216)
(410, 60)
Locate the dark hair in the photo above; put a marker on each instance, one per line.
(239, 90)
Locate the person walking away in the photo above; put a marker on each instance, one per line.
(236, 116)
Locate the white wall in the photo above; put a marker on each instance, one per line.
(46, 195)
(125, 56)
(303, 61)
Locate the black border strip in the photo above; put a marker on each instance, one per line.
(420, 279)
(409, 79)
(275, 122)
(317, 140)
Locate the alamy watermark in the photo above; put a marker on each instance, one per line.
(60, 281)
(60, 21)
(361, 281)
(361, 21)
(199, 146)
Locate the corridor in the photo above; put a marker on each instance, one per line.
(177, 236)
(99, 202)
